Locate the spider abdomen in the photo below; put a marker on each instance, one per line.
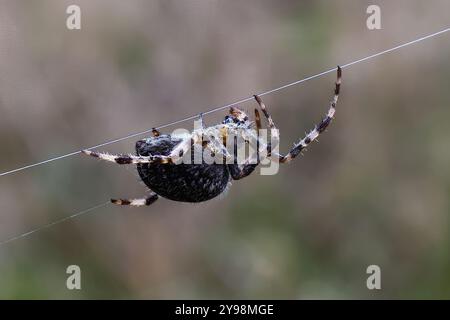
(180, 182)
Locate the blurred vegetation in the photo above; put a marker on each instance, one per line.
(375, 190)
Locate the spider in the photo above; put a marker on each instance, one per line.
(156, 157)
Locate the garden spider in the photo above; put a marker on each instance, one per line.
(156, 157)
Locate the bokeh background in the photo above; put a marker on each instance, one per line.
(375, 190)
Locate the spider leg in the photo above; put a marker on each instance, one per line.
(257, 120)
(197, 138)
(216, 148)
(136, 202)
(239, 172)
(318, 129)
(128, 159)
(273, 129)
(265, 112)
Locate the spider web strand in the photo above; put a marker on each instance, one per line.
(51, 224)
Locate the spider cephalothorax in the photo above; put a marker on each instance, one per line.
(157, 158)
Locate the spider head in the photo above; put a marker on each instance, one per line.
(237, 116)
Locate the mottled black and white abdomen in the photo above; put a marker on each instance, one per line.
(180, 182)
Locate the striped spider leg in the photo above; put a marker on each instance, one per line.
(318, 129)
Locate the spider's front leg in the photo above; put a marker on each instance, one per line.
(318, 129)
(136, 202)
(265, 112)
(128, 159)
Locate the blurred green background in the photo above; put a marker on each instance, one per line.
(375, 190)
